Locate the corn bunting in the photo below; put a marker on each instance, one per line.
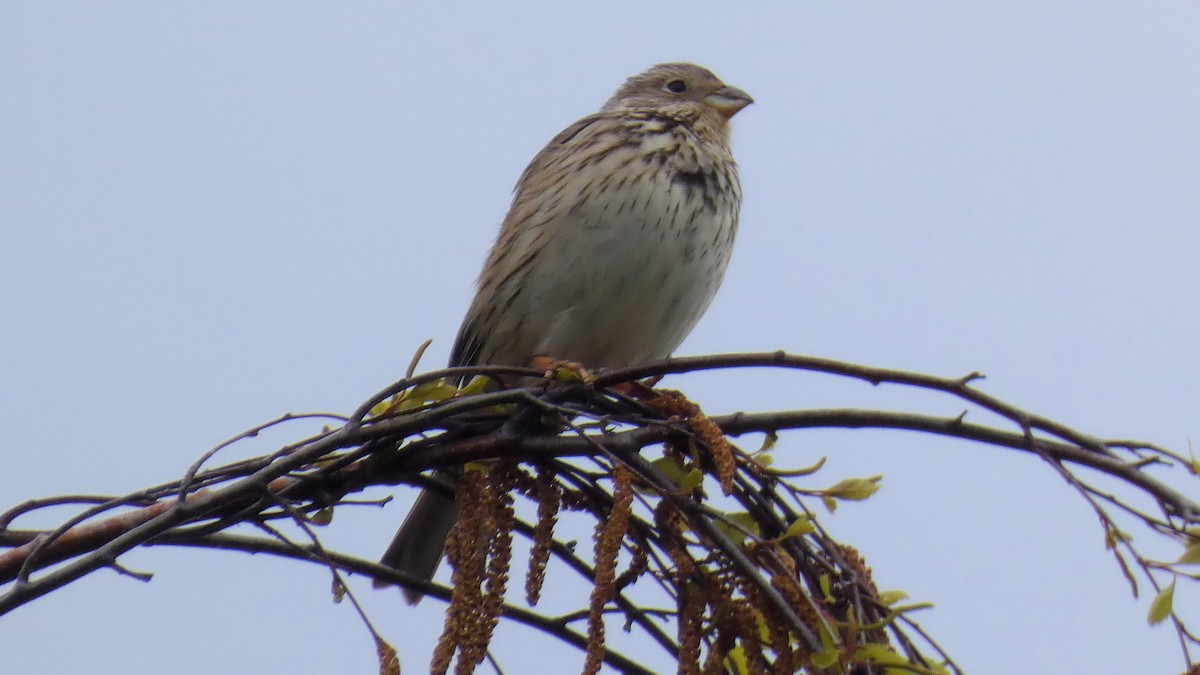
(618, 236)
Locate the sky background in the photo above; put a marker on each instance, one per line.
(215, 213)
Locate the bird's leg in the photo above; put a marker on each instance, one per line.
(561, 369)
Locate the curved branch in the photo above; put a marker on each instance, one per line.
(813, 588)
(309, 553)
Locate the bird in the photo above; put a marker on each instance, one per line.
(618, 236)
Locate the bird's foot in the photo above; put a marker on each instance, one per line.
(563, 370)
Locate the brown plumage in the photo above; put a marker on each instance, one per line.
(618, 236)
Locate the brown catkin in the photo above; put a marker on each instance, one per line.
(674, 404)
(748, 620)
(609, 535)
(691, 614)
(637, 567)
(466, 550)
(549, 497)
(503, 478)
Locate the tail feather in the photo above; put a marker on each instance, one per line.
(417, 548)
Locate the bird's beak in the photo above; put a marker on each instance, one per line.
(728, 100)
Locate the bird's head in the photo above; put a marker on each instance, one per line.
(670, 86)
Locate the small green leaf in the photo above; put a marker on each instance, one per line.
(880, 654)
(1191, 555)
(384, 407)
(434, 390)
(478, 467)
(825, 632)
(892, 597)
(826, 659)
(691, 480)
(826, 587)
(321, 517)
(744, 519)
(670, 468)
(567, 373)
(1162, 605)
(735, 531)
(800, 527)
(477, 385)
(830, 503)
(854, 489)
(769, 441)
(731, 533)
(736, 660)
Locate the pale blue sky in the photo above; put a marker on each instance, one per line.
(213, 213)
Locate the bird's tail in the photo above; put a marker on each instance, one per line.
(417, 548)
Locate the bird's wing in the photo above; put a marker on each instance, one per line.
(468, 344)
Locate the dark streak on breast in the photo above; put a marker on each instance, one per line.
(691, 179)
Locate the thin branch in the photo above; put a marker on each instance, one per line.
(810, 586)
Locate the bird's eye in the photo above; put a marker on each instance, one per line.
(676, 86)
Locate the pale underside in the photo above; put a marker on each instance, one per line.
(634, 263)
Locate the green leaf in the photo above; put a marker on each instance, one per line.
(1191, 555)
(892, 597)
(731, 533)
(567, 373)
(321, 517)
(800, 527)
(478, 467)
(742, 520)
(769, 441)
(764, 631)
(671, 469)
(854, 489)
(477, 385)
(880, 654)
(826, 587)
(736, 659)
(691, 480)
(825, 632)
(827, 658)
(434, 390)
(830, 503)
(1162, 605)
